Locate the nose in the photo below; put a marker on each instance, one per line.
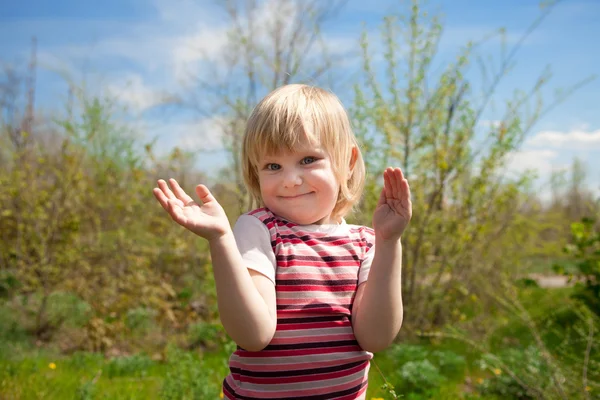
(292, 177)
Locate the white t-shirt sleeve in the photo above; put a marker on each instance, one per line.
(254, 243)
(365, 266)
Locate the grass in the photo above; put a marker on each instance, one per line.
(421, 370)
(42, 374)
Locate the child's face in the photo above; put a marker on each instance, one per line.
(300, 186)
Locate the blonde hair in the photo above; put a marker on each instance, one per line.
(295, 113)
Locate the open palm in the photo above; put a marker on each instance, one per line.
(207, 220)
(394, 209)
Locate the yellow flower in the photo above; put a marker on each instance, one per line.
(221, 395)
(52, 366)
(480, 380)
(497, 371)
(376, 398)
(588, 389)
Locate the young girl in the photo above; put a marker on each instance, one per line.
(307, 297)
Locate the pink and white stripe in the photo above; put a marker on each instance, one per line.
(314, 353)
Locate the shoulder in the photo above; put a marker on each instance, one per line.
(259, 216)
(260, 221)
(362, 236)
(262, 214)
(362, 231)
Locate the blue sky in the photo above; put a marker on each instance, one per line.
(138, 50)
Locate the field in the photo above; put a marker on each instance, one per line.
(420, 369)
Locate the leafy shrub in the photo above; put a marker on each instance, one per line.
(208, 335)
(140, 319)
(187, 378)
(527, 365)
(450, 363)
(67, 308)
(585, 249)
(421, 372)
(420, 376)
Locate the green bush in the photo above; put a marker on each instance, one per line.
(527, 365)
(421, 372)
(450, 364)
(188, 378)
(586, 251)
(420, 376)
(140, 319)
(68, 309)
(10, 329)
(204, 333)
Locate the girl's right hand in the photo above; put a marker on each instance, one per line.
(207, 220)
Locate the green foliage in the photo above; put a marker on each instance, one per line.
(135, 365)
(420, 376)
(187, 379)
(8, 284)
(67, 308)
(528, 366)
(84, 246)
(421, 371)
(585, 250)
(140, 319)
(88, 260)
(469, 215)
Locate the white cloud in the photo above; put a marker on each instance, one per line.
(572, 140)
(202, 135)
(170, 47)
(189, 50)
(543, 161)
(134, 93)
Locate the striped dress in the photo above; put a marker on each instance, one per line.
(316, 270)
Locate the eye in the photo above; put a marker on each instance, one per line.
(308, 160)
(272, 167)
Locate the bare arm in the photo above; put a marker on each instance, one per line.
(246, 299)
(377, 310)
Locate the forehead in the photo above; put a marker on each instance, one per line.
(290, 143)
(302, 150)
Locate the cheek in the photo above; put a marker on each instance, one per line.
(266, 185)
(326, 179)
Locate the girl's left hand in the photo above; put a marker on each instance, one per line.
(394, 209)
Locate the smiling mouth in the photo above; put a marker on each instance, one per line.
(295, 197)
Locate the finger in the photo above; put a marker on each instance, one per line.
(401, 173)
(382, 198)
(179, 192)
(405, 188)
(387, 183)
(397, 174)
(405, 199)
(165, 189)
(162, 199)
(204, 194)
